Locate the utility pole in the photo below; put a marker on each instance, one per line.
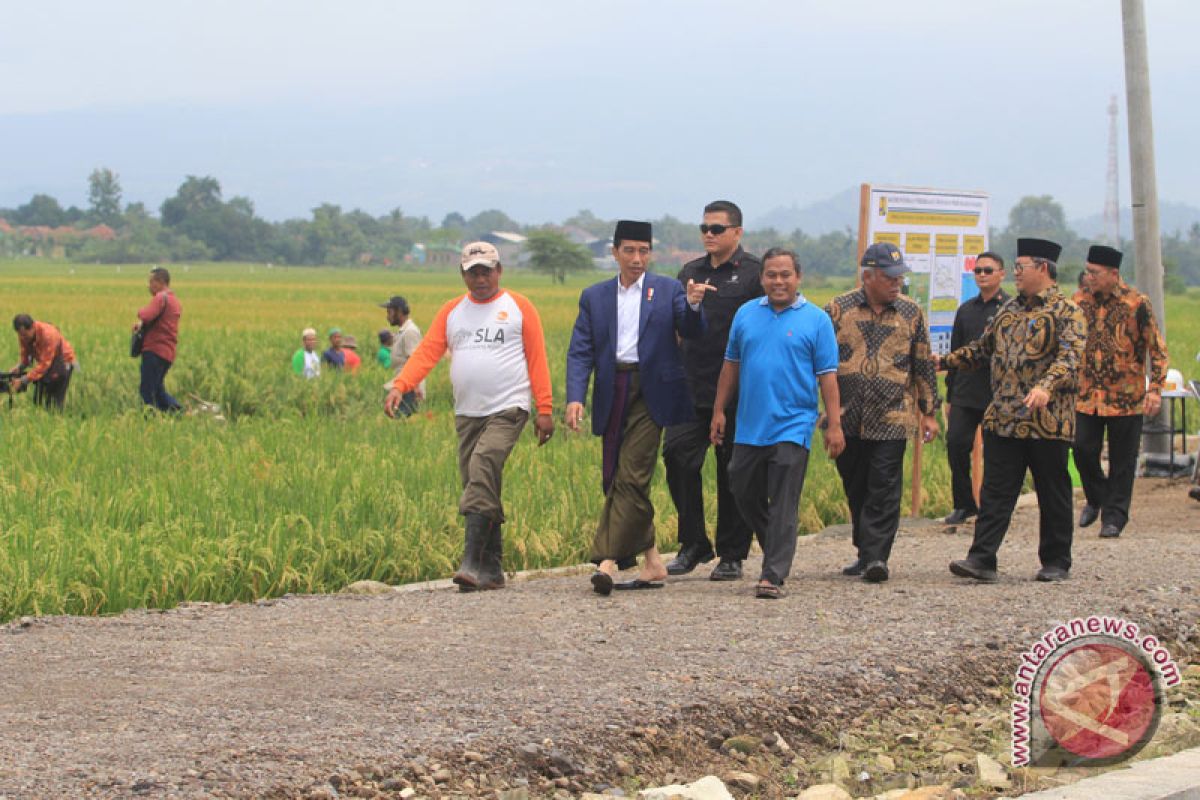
(1144, 187)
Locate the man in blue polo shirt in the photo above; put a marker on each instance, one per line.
(781, 349)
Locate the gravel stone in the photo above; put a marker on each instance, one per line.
(277, 699)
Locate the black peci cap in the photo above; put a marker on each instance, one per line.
(629, 230)
(1104, 256)
(1039, 248)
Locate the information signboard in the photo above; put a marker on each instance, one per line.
(940, 232)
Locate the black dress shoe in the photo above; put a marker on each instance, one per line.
(1109, 531)
(1089, 515)
(1051, 574)
(966, 568)
(854, 568)
(876, 572)
(727, 569)
(1194, 492)
(686, 561)
(958, 516)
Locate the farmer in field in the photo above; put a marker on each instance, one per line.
(1115, 388)
(780, 350)
(735, 274)
(350, 353)
(48, 359)
(499, 361)
(626, 334)
(888, 390)
(1034, 345)
(403, 344)
(159, 320)
(384, 354)
(334, 357)
(307, 361)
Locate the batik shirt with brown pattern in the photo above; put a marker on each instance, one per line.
(885, 371)
(1122, 332)
(1032, 341)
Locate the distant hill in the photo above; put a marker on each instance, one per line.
(833, 214)
(1171, 217)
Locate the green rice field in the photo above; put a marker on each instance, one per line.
(301, 486)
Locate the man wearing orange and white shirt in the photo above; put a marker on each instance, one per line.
(50, 357)
(499, 362)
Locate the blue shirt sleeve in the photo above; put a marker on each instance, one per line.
(826, 356)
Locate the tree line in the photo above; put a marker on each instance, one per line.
(197, 223)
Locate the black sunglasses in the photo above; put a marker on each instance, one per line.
(716, 230)
(984, 270)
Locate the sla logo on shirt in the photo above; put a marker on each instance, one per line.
(479, 337)
(489, 336)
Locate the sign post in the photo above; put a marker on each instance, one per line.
(940, 232)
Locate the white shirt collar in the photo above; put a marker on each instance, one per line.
(635, 286)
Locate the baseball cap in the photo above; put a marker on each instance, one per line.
(397, 302)
(885, 257)
(480, 253)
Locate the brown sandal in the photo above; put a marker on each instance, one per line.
(768, 591)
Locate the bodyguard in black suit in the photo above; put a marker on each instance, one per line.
(736, 276)
(968, 393)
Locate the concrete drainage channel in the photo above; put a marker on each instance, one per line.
(1174, 777)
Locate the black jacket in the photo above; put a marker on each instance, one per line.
(972, 389)
(737, 280)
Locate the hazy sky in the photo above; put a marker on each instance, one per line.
(542, 108)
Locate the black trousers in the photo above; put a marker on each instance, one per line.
(873, 479)
(768, 482)
(152, 388)
(1005, 461)
(51, 394)
(1113, 493)
(684, 449)
(960, 441)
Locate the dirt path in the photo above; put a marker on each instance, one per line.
(283, 696)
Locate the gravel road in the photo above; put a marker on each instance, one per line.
(278, 697)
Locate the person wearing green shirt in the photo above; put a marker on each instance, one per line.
(307, 361)
(384, 356)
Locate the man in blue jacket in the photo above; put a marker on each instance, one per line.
(626, 334)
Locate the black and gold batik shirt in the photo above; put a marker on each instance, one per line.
(885, 371)
(1032, 341)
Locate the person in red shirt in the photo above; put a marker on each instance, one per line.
(50, 357)
(350, 352)
(160, 320)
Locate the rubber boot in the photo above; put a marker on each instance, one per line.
(467, 576)
(491, 574)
